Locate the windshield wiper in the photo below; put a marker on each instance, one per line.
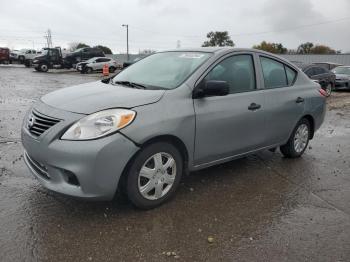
(130, 84)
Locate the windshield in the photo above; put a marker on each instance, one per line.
(341, 70)
(44, 52)
(163, 70)
(90, 60)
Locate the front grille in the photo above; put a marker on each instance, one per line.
(38, 123)
(39, 168)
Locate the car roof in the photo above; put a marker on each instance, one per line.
(216, 50)
(227, 50)
(341, 66)
(326, 63)
(306, 66)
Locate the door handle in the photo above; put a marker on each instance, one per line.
(299, 100)
(254, 106)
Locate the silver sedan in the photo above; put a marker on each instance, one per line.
(170, 113)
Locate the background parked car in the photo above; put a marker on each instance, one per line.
(83, 54)
(327, 65)
(50, 58)
(4, 55)
(96, 64)
(342, 77)
(323, 76)
(25, 56)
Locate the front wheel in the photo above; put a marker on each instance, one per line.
(298, 140)
(154, 175)
(43, 67)
(88, 70)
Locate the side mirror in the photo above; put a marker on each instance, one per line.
(211, 88)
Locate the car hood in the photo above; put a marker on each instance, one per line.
(96, 96)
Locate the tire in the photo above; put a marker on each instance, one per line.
(293, 148)
(112, 69)
(88, 70)
(27, 63)
(43, 67)
(158, 190)
(21, 59)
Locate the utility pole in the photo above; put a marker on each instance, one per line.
(48, 38)
(127, 40)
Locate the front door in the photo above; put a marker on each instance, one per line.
(233, 124)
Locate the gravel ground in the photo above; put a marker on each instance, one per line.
(259, 208)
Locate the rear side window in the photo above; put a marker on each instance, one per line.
(276, 74)
(291, 75)
(238, 71)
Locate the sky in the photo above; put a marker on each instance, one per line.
(164, 24)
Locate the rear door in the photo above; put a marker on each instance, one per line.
(233, 124)
(284, 99)
(101, 63)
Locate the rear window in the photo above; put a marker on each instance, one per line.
(276, 74)
(291, 75)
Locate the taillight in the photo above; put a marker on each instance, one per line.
(322, 92)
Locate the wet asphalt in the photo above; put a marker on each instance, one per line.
(259, 208)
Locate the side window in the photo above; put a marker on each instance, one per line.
(318, 70)
(291, 75)
(310, 72)
(274, 73)
(238, 71)
(323, 70)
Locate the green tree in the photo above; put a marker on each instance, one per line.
(81, 45)
(322, 49)
(218, 39)
(276, 48)
(305, 48)
(310, 48)
(105, 49)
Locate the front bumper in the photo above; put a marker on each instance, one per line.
(342, 84)
(86, 169)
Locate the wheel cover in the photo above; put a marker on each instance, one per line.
(157, 176)
(301, 138)
(43, 67)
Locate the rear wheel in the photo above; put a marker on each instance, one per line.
(298, 140)
(27, 63)
(21, 59)
(154, 175)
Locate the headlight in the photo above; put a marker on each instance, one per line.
(99, 124)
